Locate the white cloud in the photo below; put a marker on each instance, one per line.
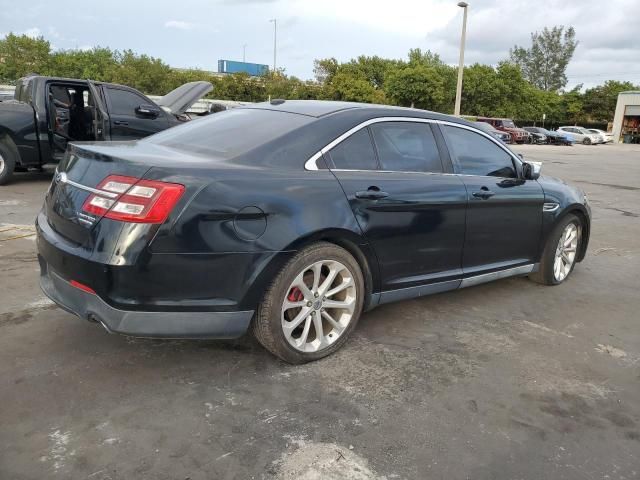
(408, 17)
(179, 24)
(33, 32)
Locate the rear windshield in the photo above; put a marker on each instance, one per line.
(229, 133)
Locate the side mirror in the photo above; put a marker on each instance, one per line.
(149, 111)
(531, 170)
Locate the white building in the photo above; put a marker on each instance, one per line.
(626, 121)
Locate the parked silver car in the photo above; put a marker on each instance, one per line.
(608, 137)
(582, 135)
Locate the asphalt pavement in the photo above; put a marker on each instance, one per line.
(508, 380)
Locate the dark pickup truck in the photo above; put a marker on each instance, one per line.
(46, 113)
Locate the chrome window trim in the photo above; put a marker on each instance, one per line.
(311, 164)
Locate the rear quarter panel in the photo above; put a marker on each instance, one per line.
(252, 220)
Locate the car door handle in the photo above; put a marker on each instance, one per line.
(484, 193)
(120, 122)
(373, 193)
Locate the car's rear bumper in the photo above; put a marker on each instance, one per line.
(166, 324)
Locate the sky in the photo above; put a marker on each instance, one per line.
(196, 33)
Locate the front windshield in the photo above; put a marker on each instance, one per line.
(508, 124)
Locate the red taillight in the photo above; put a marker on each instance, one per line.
(134, 200)
(82, 287)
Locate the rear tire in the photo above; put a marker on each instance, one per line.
(299, 324)
(7, 164)
(556, 255)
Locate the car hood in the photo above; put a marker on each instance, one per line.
(182, 98)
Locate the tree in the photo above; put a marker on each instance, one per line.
(600, 101)
(95, 64)
(572, 105)
(416, 86)
(324, 69)
(21, 55)
(544, 64)
(351, 88)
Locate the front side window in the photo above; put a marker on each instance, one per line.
(406, 147)
(477, 155)
(124, 102)
(355, 152)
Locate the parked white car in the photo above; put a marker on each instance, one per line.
(582, 135)
(608, 137)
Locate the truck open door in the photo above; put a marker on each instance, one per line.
(101, 130)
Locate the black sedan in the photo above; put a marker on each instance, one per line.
(291, 218)
(547, 136)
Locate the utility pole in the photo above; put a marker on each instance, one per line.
(456, 110)
(275, 36)
(244, 52)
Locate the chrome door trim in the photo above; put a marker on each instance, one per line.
(489, 277)
(312, 166)
(389, 296)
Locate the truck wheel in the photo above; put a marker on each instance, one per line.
(7, 164)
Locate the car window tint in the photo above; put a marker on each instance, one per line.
(406, 147)
(217, 135)
(124, 102)
(355, 152)
(477, 155)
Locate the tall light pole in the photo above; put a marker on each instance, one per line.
(275, 36)
(464, 6)
(244, 52)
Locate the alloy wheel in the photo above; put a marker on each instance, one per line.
(566, 252)
(318, 306)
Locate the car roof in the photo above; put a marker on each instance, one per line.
(73, 80)
(321, 108)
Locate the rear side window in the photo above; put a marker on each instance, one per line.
(406, 147)
(124, 102)
(477, 155)
(229, 133)
(355, 152)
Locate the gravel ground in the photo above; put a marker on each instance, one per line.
(509, 380)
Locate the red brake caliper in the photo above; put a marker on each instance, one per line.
(295, 295)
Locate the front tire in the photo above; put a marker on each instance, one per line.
(586, 141)
(560, 252)
(311, 306)
(7, 164)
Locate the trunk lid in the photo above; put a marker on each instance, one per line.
(78, 176)
(182, 98)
